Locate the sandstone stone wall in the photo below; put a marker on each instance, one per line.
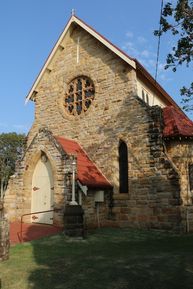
(97, 214)
(18, 195)
(154, 198)
(180, 152)
(115, 114)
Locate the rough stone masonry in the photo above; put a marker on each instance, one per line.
(155, 198)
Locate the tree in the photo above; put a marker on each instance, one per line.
(178, 19)
(11, 149)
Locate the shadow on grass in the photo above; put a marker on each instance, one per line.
(114, 258)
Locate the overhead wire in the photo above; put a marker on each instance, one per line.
(159, 40)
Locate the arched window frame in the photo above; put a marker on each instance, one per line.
(123, 168)
(143, 95)
(190, 176)
(147, 98)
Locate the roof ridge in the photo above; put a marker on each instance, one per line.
(115, 49)
(106, 39)
(90, 30)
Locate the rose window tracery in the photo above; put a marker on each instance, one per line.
(79, 95)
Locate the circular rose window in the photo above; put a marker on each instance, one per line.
(79, 95)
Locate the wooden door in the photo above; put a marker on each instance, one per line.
(42, 193)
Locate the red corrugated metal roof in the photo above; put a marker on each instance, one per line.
(87, 172)
(176, 123)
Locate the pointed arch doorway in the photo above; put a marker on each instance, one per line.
(42, 191)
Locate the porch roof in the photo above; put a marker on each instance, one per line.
(176, 123)
(87, 172)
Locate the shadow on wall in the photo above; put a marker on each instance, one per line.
(154, 189)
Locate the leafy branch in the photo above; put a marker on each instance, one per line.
(178, 19)
(11, 149)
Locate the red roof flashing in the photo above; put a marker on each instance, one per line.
(87, 172)
(176, 123)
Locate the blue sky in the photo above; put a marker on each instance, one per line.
(29, 30)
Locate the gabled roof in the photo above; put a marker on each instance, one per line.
(87, 172)
(131, 61)
(176, 123)
(75, 19)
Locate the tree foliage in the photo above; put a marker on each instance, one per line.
(11, 148)
(178, 18)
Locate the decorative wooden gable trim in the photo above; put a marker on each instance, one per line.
(75, 19)
(134, 63)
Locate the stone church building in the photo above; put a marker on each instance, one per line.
(104, 127)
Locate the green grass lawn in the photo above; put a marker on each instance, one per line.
(107, 259)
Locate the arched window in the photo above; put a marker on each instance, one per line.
(143, 95)
(190, 172)
(123, 168)
(147, 98)
(191, 176)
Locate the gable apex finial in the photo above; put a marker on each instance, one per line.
(73, 12)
